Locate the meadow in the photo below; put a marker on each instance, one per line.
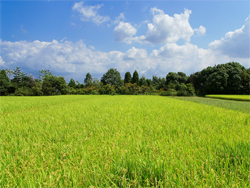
(241, 106)
(121, 141)
(231, 97)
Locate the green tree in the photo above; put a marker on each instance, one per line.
(158, 82)
(234, 71)
(112, 77)
(245, 82)
(135, 78)
(88, 81)
(37, 88)
(190, 89)
(72, 83)
(127, 78)
(217, 82)
(52, 85)
(96, 83)
(149, 82)
(143, 81)
(17, 76)
(4, 82)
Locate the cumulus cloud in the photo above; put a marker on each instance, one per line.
(236, 43)
(135, 54)
(165, 28)
(200, 31)
(90, 13)
(124, 32)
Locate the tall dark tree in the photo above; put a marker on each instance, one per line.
(143, 81)
(17, 76)
(88, 81)
(217, 82)
(72, 83)
(234, 71)
(4, 82)
(127, 78)
(135, 78)
(158, 82)
(52, 85)
(112, 77)
(245, 82)
(177, 79)
(149, 82)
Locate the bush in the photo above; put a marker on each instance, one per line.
(169, 92)
(23, 91)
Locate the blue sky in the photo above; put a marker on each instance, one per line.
(71, 38)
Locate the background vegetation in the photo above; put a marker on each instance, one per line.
(229, 78)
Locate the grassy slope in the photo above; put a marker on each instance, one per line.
(240, 106)
(231, 97)
(121, 141)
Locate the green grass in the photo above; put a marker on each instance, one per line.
(121, 141)
(231, 97)
(241, 106)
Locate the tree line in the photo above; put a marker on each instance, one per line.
(229, 78)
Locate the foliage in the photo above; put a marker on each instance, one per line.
(158, 82)
(108, 89)
(229, 78)
(177, 79)
(88, 80)
(245, 82)
(4, 83)
(72, 83)
(112, 77)
(221, 79)
(53, 85)
(135, 78)
(127, 78)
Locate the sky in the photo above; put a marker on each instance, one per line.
(72, 38)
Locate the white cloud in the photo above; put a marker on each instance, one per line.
(236, 44)
(200, 31)
(119, 18)
(1, 61)
(135, 54)
(92, 47)
(168, 29)
(124, 32)
(63, 39)
(90, 13)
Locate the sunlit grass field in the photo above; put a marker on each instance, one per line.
(231, 97)
(241, 106)
(121, 141)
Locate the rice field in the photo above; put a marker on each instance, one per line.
(231, 97)
(121, 141)
(241, 106)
